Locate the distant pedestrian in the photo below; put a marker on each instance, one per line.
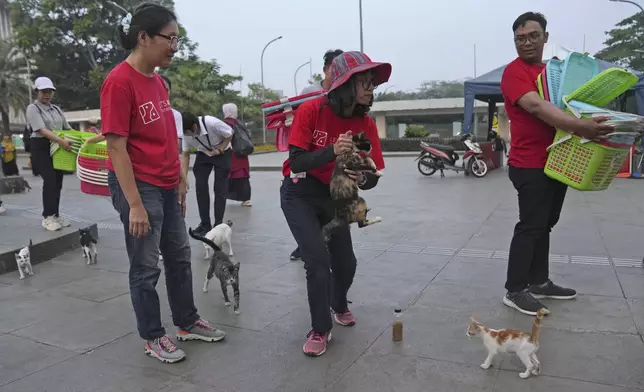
(9, 165)
(146, 183)
(43, 117)
(210, 138)
(239, 182)
(93, 125)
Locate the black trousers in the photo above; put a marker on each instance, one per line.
(202, 168)
(540, 201)
(307, 207)
(52, 179)
(10, 168)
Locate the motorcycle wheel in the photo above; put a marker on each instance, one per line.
(424, 169)
(477, 167)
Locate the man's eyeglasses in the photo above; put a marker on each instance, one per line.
(523, 39)
(175, 41)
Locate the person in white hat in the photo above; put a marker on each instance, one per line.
(43, 118)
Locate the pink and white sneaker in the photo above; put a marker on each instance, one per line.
(316, 343)
(346, 319)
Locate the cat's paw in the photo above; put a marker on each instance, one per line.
(535, 372)
(524, 375)
(376, 220)
(22, 278)
(205, 290)
(485, 365)
(231, 254)
(30, 273)
(237, 311)
(227, 303)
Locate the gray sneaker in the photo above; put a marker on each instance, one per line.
(164, 349)
(524, 302)
(201, 330)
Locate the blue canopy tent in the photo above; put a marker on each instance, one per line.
(487, 88)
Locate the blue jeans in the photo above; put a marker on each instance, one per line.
(168, 234)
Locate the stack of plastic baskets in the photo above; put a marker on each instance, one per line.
(92, 169)
(66, 160)
(579, 163)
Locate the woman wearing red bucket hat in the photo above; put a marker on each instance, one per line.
(321, 130)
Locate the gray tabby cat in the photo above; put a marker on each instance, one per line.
(223, 269)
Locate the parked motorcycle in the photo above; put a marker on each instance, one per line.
(440, 157)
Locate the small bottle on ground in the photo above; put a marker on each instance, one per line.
(397, 327)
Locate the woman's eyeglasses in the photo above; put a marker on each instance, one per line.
(175, 41)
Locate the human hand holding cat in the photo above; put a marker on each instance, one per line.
(344, 144)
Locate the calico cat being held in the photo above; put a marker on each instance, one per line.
(223, 269)
(524, 345)
(349, 206)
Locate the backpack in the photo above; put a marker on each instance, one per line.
(242, 143)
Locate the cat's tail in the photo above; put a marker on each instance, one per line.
(203, 239)
(536, 326)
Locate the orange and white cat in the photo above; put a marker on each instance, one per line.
(524, 345)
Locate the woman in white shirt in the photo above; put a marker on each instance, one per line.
(209, 138)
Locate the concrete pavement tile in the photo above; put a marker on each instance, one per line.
(510, 381)
(589, 313)
(274, 362)
(85, 330)
(390, 373)
(87, 373)
(8, 291)
(30, 309)
(265, 253)
(612, 359)
(404, 266)
(286, 280)
(592, 280)
(637, 309)
(108, 259)
(106, 285)
(21, 357)
(128, 350)
(183, 386)
(366, 255)
(477, 272)
(389, 293)
(258, 309)
(475, 300)
(440, 334)
(633, 285)
(48, 275)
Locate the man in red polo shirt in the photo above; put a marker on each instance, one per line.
(533, 122)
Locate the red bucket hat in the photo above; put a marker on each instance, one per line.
(350, 63)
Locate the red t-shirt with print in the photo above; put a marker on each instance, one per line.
(315, 127)
(138, 107)
(529, 135)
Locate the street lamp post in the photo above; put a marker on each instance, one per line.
(361, 37)
(263, 88)
(629, 2)
(295, 75)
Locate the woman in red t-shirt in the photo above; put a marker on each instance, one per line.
(322, 130)
(145, 181)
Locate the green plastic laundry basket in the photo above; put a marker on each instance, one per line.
(583, 166)
(66, 160)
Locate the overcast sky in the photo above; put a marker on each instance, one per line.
(423, 39)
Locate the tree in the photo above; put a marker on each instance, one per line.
(428, 90)
(198, 87)
(14, 87)
(252, 107)
(316, 78)
(74, 42)
(416, 131)
(625, 43)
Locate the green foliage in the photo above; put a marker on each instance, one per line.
(252, 104)
(428, 90)
(198, 87)
(416, 131)
(316, 78)
(14, 87)
(625, 42)
(74, 42)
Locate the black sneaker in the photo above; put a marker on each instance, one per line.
(524, 302)
(203, 229)
(552, 291)
(295, 255)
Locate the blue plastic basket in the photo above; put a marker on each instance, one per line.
(553, 79)
(577, 70)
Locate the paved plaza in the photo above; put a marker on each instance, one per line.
(440, 254)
